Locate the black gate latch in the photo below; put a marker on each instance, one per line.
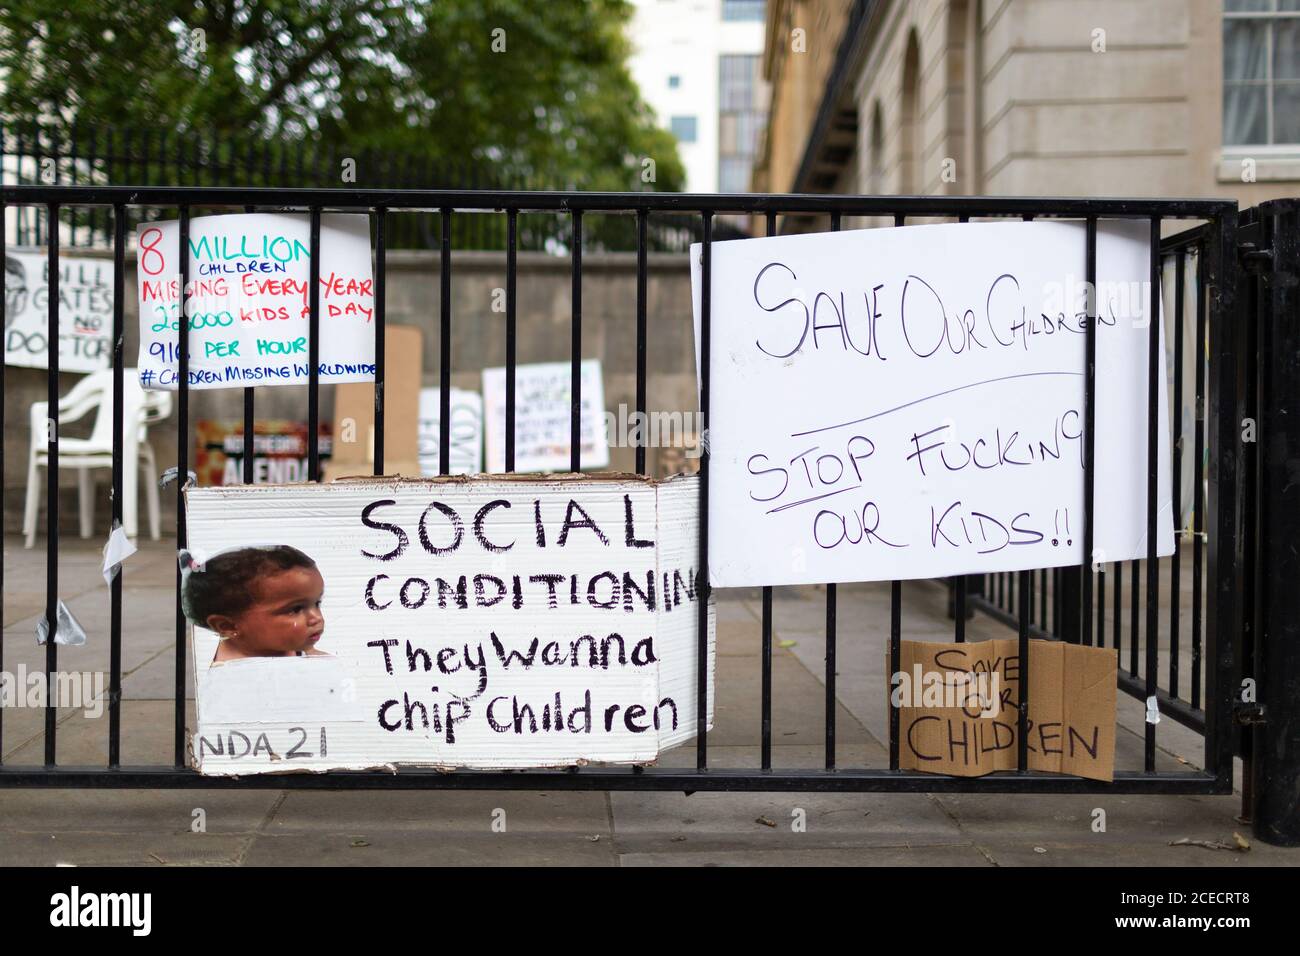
(1252, 253)
(1247, 714)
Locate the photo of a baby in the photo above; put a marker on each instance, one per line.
(261, 602)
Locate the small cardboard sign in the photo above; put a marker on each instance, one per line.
(959, 708)
(491, 622)
(354, 412)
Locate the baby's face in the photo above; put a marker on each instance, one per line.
(286, 617)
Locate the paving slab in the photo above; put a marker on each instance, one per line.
(376, 846)
(927, 856)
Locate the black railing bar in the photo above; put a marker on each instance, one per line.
(432, 200)
(1175, 575)
(381, 333)
(4, 279)
(1227, 405)
(831, 624)
(1198, 477)
(575, 346)
(250, 418)
(1042, 598)
(1101, 604)
(1153, 478)
(895, 654)
(1022, 716)
(1134, 620)
(182, 475)
(1089, 430)
(616, 778)
(1117, 641)
(702, 563)
(641, 281)
(313, 351)
(959, 608)
(895, 632)
(444, 344)
(51, 482)
(512, 256)
(115, 589)
(766, 754)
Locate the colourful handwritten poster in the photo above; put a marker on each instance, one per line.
(248, 301)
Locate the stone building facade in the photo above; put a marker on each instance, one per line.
(1172, 98)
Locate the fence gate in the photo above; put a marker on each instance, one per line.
(1211, 634)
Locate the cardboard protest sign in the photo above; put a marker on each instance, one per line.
(908, 403)
(959, 708)
(542, 411)
(85, 311)
(248, 300)
(465, 433)
(460, 622)
(354, 412)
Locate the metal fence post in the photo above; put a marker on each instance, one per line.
(1277, 646)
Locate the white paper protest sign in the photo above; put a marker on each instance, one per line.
(248, 300)
(908, 402)
(486, 622)
(465, 432)
(543, 393)
(85, 311)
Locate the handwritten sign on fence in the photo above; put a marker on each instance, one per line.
(457, 622)
(465, 433)
(248, 301)
(85, 311)
(959, 708)
(908, 402)
(543, 411)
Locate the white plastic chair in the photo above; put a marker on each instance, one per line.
(95, 393)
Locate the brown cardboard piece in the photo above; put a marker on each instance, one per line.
(355, 401)
(1071, 721)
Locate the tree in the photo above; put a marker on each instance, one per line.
(524, 89)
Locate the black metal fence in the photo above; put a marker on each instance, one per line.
(44, 154)
(1114, 613)
(1075, 596)
(1269, 636)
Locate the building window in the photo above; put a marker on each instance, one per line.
(733, 173)
(740, 120)
(674, 81)
(1261, 72)
(742, 9)
(683, 127)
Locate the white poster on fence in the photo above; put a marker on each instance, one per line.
(85, 311)
(543, 397)
(465, 432)
(463, 622)
(249, 300)
(908, 402)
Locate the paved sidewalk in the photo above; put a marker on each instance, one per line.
(371, 828)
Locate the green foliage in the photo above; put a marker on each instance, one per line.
(555, 107)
